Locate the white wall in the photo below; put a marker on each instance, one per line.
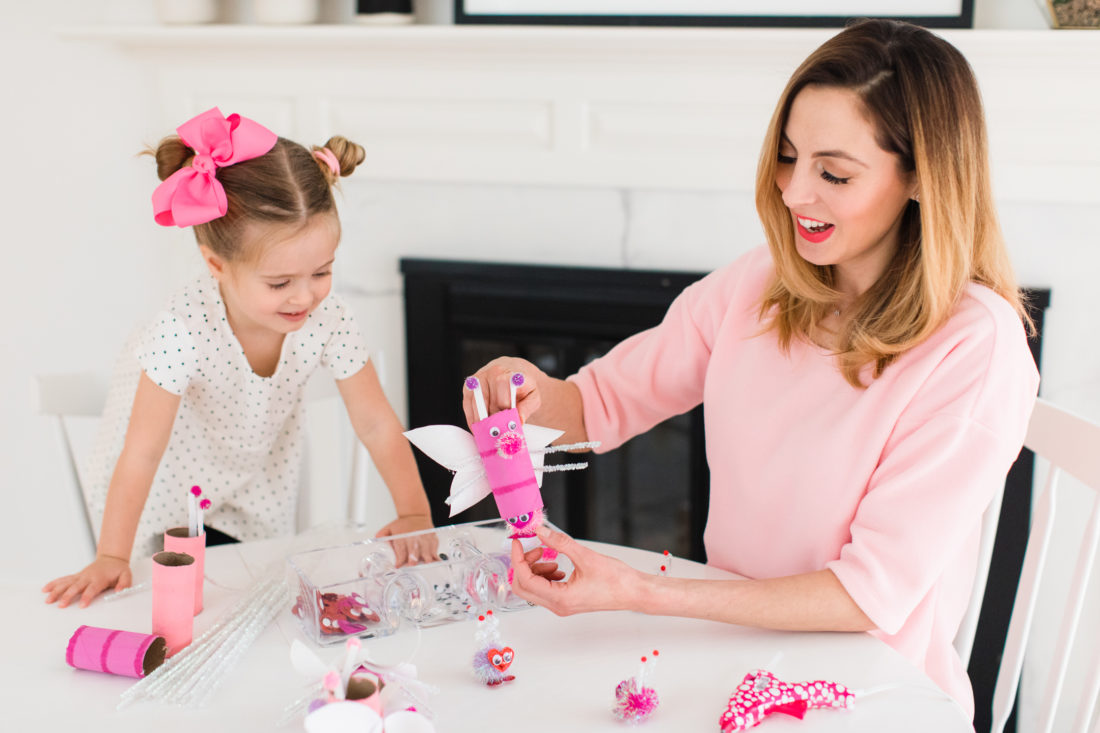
(85, 259)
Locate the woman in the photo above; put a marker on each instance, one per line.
(865, 377)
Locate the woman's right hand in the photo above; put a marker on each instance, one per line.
(495, 385)
(104, 572)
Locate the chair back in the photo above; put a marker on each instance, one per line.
(65, 396)
(1071, 445)
(964, 639)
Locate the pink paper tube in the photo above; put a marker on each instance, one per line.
(115, 652)
(173, 598)
(176, 540)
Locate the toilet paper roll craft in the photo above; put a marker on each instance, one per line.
(492, 657)
(503, 457)
(192, 541)
(115, 652)
(761, 693)
(635, 701)
(173, 598)
(361, 683)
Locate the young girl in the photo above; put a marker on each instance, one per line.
(866, 377)
(217, 401)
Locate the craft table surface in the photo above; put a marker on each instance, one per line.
(566, 668)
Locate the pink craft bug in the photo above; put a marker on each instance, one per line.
(503, 457)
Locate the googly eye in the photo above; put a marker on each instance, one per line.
(326, 622)
(495, 432)
(507, 656)
(524, 517)
(512, 425)
(497, 661)
(512, 520)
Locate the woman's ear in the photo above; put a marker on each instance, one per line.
(214, 263)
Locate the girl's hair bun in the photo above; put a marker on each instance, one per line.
(350, 155)
(171, 155)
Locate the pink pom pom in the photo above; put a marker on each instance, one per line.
(549, 553)
(633, 705)
(195, 491)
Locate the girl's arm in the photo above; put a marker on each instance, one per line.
(147, 435)
(809, 602)
(377, 426)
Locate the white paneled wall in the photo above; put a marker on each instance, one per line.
(606, 147)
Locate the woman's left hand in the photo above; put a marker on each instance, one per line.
(598, 582)
(412, 550)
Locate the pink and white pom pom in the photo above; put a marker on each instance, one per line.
(634, 702)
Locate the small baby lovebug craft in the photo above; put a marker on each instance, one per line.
(760, 694)
(492, 658)
(354, 698)
(634, 702)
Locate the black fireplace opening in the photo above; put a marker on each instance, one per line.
(652, 492)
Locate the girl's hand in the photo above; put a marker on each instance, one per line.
(104, 572)
(495, 385)
(412, 550)
(598, 582)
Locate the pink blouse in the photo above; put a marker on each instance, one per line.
(885, 486)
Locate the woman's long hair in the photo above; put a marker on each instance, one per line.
(920, 95)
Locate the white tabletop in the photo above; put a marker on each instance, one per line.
(566, 668)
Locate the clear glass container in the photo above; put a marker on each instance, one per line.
(358, 589)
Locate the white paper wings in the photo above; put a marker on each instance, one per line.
(455, 449)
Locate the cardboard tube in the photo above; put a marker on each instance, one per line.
(115, 652)
(366, 690)
(176, 540)
(173, 598)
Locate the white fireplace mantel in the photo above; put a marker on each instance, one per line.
(651, 108)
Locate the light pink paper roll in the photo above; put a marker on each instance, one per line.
(176, 540)
(173, 598)
(115, 652)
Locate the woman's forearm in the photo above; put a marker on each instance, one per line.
(809, 602)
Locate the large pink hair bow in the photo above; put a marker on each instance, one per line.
(192, 195)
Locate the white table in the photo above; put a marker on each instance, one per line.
(566, 668)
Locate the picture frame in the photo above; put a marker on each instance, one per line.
(748, 13)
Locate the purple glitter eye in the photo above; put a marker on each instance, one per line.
(472, 383)
(517, 379)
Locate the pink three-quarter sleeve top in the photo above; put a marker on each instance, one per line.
(885, 486)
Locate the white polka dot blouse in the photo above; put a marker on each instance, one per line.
(237, 435)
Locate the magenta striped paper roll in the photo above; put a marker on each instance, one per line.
(115, 652)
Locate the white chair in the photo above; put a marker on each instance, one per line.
(964, 639)
(64, 397)
(1071, 445)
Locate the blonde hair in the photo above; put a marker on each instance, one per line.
(286, 186)
(920, 95)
